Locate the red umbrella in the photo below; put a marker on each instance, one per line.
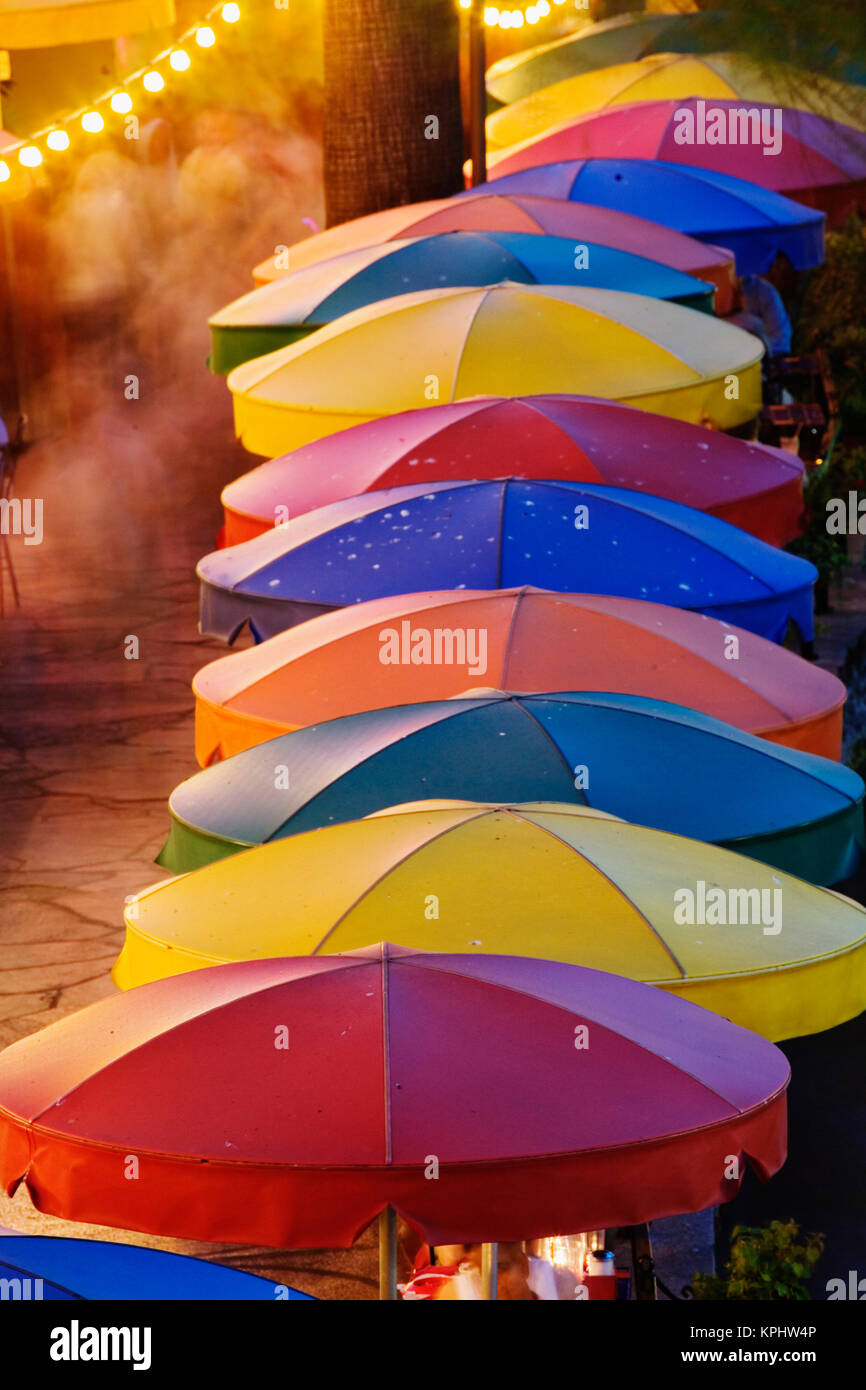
(577, 438)
(289, 1102)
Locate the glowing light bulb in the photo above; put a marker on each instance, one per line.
(491, 15)
(516, 19)
(92, 122)
(231, 13)
(505, 20)
(57, 140)
(121, 102)
(153, 81)
(179, 60)
(5, 171)
(30, 156)
(542, 8)
(465, 4)
(532, 15)
(205, 37)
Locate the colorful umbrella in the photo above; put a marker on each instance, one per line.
(574, 438)
(622, 39)
(490, 212)
(289, 309)
(503, 534)
(289, 1102)
(96, 1269)
(755, 223)
(628, 37)
(564, 883)
(660, 76)
(814, 160)
(420, 349)
(634, 757)
(431, 646)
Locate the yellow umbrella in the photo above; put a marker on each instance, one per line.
(434, 346)
(661, 76)
(559, 882)
(49, 23)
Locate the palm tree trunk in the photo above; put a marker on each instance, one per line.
(392, 124)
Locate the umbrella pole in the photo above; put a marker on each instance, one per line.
(477, 95)
(388, 1254)
(489, 1270)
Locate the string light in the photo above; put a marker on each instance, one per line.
(495, 18)
(120, 101)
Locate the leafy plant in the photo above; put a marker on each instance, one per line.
(831, 317)
(765, 1265)
(843, 472)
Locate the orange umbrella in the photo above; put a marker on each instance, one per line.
(407, 648)
(491, 212)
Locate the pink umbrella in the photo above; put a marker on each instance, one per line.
(487, 212)
(809, 158)
(290, 1102)
(575, 438)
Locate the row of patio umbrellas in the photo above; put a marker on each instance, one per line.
(563, 1039)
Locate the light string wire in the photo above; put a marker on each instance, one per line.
(118, 98)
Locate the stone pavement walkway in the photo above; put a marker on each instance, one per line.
(91, 744)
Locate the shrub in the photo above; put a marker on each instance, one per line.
(766, 1264)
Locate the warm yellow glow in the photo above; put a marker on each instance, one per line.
(121, 102)
(5, 171)
(30, 156)
(205, 37)
(231, 12)
(532, 15)
(542, 8)
(505, 20)
(57, 140)
(516, 19)
(153, 81)
(92, 122)
(179, 60)
(491, 15)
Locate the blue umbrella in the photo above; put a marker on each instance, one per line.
(502, 534)
(295, 305)
(648, 761)
(753, 222)
(55, 1268)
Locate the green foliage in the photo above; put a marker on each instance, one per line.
(832, 317)
(820, 38)
(765, 1265)
(843, 472)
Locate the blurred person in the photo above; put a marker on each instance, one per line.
(548, 1281)
(512, 1274)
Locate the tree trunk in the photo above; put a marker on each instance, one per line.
(392, 124)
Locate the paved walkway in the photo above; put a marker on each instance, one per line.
(91, 744)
